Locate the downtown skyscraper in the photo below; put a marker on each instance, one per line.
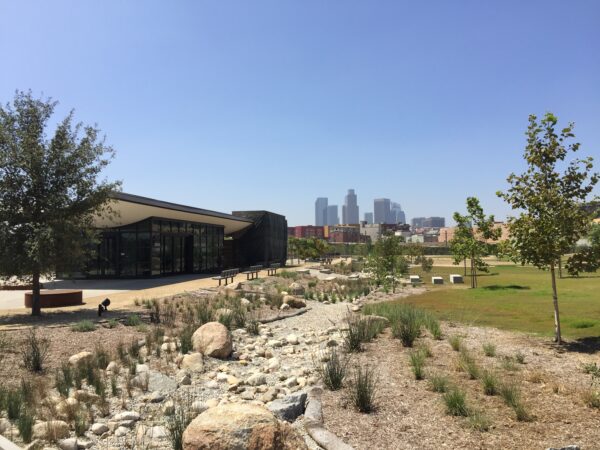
(321, 211)
(350, 213)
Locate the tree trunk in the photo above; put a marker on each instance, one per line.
(560, 267)
(36, 309)
(472, 273)
(558, 337)
(465, 261)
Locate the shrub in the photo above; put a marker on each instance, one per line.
(62, 384)
(288, 274)
(333, 371)
(417, 361)
(121, 352)
(34, 352)
(134, 349)
(114, 389)
(455, 342)
(253, 327)
(25, 425)
(425, 348)
(185, 337)
(439, 383)
(478, 421)
(508, 363)
(80, 424)
(14, 403)
(489, 382)
(489, 349)
(363, 389)
(112, 323)
(178, 422)
(522, 413)
(535, 376)
(353, 336)
(83, 326)
(133, 320)
(455, 401)
(468, 364)
(520, 357)
(591, 397)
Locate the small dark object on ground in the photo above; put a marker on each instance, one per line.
(103, 307)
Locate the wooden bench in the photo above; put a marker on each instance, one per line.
(226, 274)
(252, 272)
(54, 298)
(272, 270)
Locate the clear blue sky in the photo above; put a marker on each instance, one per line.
(269, 104)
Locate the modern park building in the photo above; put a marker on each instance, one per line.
(150, 238)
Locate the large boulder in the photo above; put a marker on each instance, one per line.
(51, 430)
(290, 407)
(213, 339)
(237, 426)
(294, 302)
(80, 358)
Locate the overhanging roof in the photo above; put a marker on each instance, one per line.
(134, 208)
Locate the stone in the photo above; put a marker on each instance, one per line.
(240, 426)
(151, 432)
(291, 382)
(193, 362)
(292, 339)
(99, 428)
(4, 425)
(273, 364)
(79, 358)
(294, 302)
(158, 381)
(356, 308)
(213, 339)
(68, 444)
(121, 431)
(112, 367)
(274, 343)
(256, 380)
(141, 368)
(296, 289)
(51, 430)
(290, 407)
(199, 407)
(66, 408)
(269, 396)
(127, 415)
(284, 307)
(245, 302)
(212, 402)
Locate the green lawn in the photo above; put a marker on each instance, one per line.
(516, 298)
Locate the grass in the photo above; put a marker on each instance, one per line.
(455, 342)
(333, 371)
(34, 352)
(83, 326)
(489, 382)
(178, 422)
(515, 298)
(468, 364)
(417, 362)
(133, 320)
(363, 389)
(25, 425)
(456, 402)
(479, 421)
(489, 349)
(439, 383)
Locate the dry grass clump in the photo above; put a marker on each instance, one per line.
(363, 388)
(455, 342)
(332, 371)
(468, 364)
(489, 349)
(417, 363)
(34, 351)
(439, 382)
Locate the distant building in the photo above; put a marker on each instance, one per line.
(381, 210)
(344, 234)
(374, 231)
(446, 234)
(350, 208)
(417, 222)
(396, 213)
(434, 222)
(306, 231)
(321, 211)
(369, 217)
(332, 215)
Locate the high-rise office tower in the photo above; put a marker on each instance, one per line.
(397, 214)
(369, 218)
(332, 215)
(350, 208)
(381, 210)
(417, 222)
(321, 211)
(434, 222)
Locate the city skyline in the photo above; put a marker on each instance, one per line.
(401, 110)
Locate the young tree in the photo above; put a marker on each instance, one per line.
(473, 232)
(386, 262)
(49, 190)
(550, 199)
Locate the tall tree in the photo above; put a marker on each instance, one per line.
(49, 190)
(386, 262)
(471, 238)
(549, 196)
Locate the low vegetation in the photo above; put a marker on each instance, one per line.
(363, 388)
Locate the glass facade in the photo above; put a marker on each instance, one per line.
(155, 247)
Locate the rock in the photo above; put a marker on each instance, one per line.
(256, 380)
(212, 402)
(240, 426)
(121, 431)
(274, 343)
(273, 364)
(155, 397)
(68, 444)
(99, 428)
(284, 307)
(377, 319)
(79, 358)
(147, 432)
(245, 302)
(296, 289)
(168, 408)
(4, 425)
(168, 347)
(158, 381)
(294, 302)
(269, 396)
(568, 447)
(52, 430)
(213, 339)
(127, 415)
(290, 407)
(292, 339)
(356, 308)
(141, 368)
(291, 382)
(232, 381)
(65, 408)
(112, 367)
(86, 397)
(199, 407)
